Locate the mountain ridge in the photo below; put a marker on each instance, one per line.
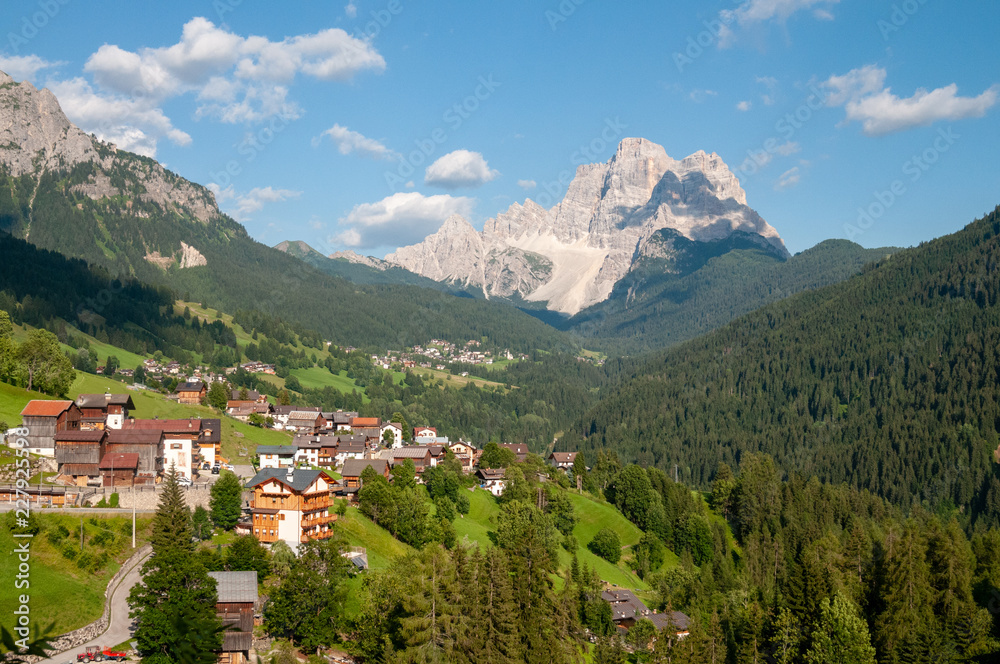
(573, 254)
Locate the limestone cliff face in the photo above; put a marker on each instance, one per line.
(36, 137)
(572, 255)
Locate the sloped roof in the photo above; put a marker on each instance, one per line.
(76, 469)
(134, 436)
(563, 457)
(80, 436)
(123, 461)
(190, 386)
(365, 422)
(411, 453)
(236, 587)
(104, 400)
(679, 620)
(354, 467)
(166, 426)
(211, 429)
(491, 473)
(277, 449)
(300, 481)
(42, 408)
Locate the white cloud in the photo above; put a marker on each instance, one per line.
(243, 205)
(788, 149)
(527, 184)
(698, 96)
(771, 84)
(744, 106)
(348, 141)
(351, 10)
(789, 178)
(135, 125)
(24, 67)
(400, 219)
(865, 98)
(458, 169)
(234, 79)
(755, 12)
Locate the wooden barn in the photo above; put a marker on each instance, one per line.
(44, 419)
(147, 444)
(78, 454)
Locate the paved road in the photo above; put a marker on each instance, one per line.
(117, 631)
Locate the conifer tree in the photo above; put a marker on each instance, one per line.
(172, 522)
(227, 500)
(840, 635)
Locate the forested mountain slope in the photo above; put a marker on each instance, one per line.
(888, 381)
(701, 286)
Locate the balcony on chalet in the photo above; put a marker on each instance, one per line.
(318, 519)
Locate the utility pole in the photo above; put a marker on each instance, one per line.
(81, 533)
(133, 514)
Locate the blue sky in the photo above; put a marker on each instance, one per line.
(362, 124)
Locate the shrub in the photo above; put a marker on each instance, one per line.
(607, 545)
(569, 543)
(69, 551)
(462, 503)
(114, 500)
(84, 560)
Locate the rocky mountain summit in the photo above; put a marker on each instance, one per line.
(572, 255)
(36, 139)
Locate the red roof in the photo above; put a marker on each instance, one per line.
(95, 436)
(39, 408)
(122, 461)
(166, 426)
(365, 422)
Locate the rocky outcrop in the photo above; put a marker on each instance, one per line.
(572, 255)
(36, 136)
(358, 259)
(191, 257)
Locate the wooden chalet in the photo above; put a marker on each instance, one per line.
(276, 456)
(562, 460)
(43, 419)
(353, 468)
(191, 392)
(119, 469)
(307, 422)
(78, 454)
(235, 606)
(520, 450)
(627, 610)
(146, 444)
(492, 479)
(291, 505)
(104, 411)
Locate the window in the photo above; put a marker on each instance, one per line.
(281, 517)
(176, 446)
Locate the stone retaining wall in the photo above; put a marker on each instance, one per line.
(147, 498)
(98, 627)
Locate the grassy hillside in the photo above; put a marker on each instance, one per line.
(61, 592)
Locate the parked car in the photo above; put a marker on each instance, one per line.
(184, 481)
(229, 466)
(206, 466)
(215, 469)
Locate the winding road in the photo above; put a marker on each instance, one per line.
(118, 625)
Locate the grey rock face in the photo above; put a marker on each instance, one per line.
(36, 136)
(572, 255)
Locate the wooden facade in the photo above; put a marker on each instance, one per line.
(44, 419)
(291, 506)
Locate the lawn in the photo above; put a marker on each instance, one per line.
(12, 402)
(480, 520)
(315, 377)
(382, 547)
(450, 380)
(61, 593)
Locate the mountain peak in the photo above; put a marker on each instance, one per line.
(571, 255)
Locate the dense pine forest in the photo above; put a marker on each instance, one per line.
(887, 382)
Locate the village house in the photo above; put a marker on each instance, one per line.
(627, 610)
(147, 444)
(369, 427)
(420, 456)
(397, 433)
(43, 419)
(304, 421)
(353, 468)
(235, 606)
(252, 396)
(424, 432)
(292, 505)
(341, 420)
(78, 455)
(467, 454)
(104, 411)
(119, 469)
(276, 456)
(210, 442)
(180, 442)
(519, 449)
(281, 414)
(350, 446)
(242, 410)
(191, 392)
(562, 460)
(492, 479)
